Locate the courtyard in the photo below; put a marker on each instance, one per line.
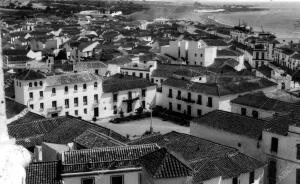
(136, 128)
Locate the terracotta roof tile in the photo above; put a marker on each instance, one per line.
(43, 173)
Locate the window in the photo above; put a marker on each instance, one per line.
(67, 103)
(255, 114)
(35, 84)
(170, 93)
(201, 55)
(41, 83)
(179, 107)
(209, 102)
(189, 96)
(117, 179)
(31, 95)
(147, 76)
(96, 98)
(54, 104)
(133, 74)
(143, 104)
(67, 113)
(31, 106)
(96, 71)
(297, 176)
(251, 177)
(41, 105)
(234, 180)
(199, 101)
(95, 84)
(274, 144)
(178, 95)
(272, 170)
(129, 95)
(243, 111)
(85, 100)
(76, 102)
(76, 112)
(170, 106)
(115, 109)
(85, 111)
(41, 94)
(298, 151)
(84, 86)
(199, 112)
(75, 88)
(66, 89)
(30, 84)
(53, 91)
(115, 97)
(143, 93)
(141, 75)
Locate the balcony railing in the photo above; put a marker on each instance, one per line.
(54, 109)
(188, 100)
(131, 99)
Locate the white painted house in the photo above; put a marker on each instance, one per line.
(194, 52)
(74, 93)
(198, 98)
(123, 94)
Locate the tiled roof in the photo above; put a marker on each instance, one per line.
(229, 166)
(215, 42)
(167, 70)
(227, 52)
(162, 164)
(280, 124)
(208, 159)
(261, 101)
(28, 117)
(93, 139)
(121, 82)
(221, 62)
(43, 173)
(186, 146)
(30, 75)
(105, 158)
(232, 122)
(13, 108)
(287, 51)
(221, 89)
(59, 130)
(72, 78)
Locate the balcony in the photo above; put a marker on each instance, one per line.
(188, 100)
(130, 100)
(54, 109)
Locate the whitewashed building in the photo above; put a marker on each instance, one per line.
(281, 143)
(198, 98)
(194, 52)
(123, 94)
(74, 93)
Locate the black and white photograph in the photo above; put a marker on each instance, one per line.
(149, 91)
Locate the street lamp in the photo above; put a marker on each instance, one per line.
(151, 127)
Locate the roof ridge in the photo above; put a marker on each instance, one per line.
(112, 147)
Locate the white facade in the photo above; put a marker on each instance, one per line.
(112, 107)
(193, 52)
(193, 107)
(249, 146)
(41, 99)
(129, 175)
(285, 158)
